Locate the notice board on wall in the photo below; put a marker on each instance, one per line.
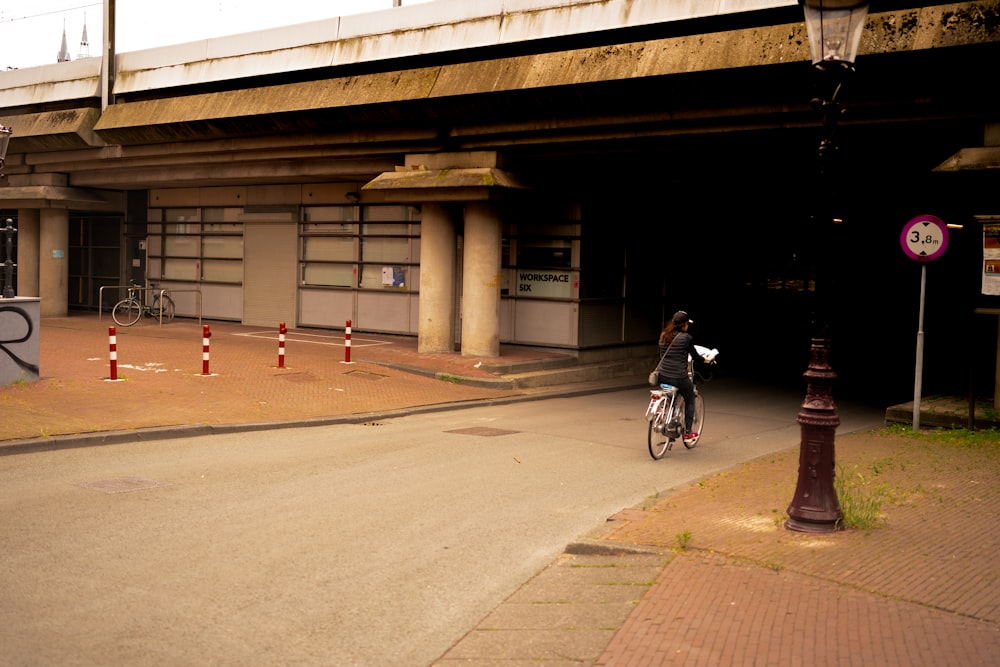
(991, 257)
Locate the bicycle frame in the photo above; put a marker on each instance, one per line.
(666, 418)
(667, 412)
(133, 307)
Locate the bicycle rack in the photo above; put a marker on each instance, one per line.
(137, 288)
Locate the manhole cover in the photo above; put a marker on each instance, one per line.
(298, 377)
(121, 484)
(482, 430)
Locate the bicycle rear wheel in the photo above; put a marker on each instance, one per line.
(659, 444)
(126, 312)
(168, 308)
(699, 419)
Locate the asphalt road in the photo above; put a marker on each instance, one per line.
(371, 544)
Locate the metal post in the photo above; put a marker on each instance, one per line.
(8, 265)
(281, 345)
(815, 507)
(918, 376)
(206, 334)
(113, 352)
(347, 344)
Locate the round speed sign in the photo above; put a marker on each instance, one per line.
(924, 238)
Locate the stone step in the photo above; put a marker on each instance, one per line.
(626, 369)
(554, 362)
(944, 412)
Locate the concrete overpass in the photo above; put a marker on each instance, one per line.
(644, 155)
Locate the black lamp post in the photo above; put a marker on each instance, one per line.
(834, 28)
(8, 290)
(5, 133)
(8, 265)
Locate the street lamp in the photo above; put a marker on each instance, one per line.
(8, 265)
(8, 290)
(834, 28)
(5, 133)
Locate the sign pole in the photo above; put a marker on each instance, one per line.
(918, 376)
(924, 238)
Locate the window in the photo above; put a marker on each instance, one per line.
(547, 253)
(378, 246)
(547, 259)
(197, 244)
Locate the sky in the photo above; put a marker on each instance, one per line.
(31, 30)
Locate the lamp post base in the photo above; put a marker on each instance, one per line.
(815, 507)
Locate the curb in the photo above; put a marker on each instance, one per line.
(598, 548)
(153, 433)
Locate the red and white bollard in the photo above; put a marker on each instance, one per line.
(347, 343)
(113, 351)
(281, 345)
(205, 335)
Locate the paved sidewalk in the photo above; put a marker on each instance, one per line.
(922, 589)
(161, 388)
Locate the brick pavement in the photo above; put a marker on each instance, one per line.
(160, 379)
(922, 589)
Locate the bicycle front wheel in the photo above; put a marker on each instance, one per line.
(168, 308)
(126, 312)
(699, 420)
(658, 441)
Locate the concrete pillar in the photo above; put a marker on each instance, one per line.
(53, 258)
(481, 281)
(438, 240)
(27, 252)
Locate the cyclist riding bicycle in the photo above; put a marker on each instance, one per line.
(676, 348)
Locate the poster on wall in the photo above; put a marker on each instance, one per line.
(393, 276)
(991, 258)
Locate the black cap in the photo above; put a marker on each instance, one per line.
(681, 317)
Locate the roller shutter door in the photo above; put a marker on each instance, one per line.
(269, 274)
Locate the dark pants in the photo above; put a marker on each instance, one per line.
(686, 389)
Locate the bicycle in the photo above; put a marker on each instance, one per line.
(665, 414)
(128, 311)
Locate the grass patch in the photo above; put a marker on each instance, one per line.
(683, 539)
(860, 499)
(986, 438)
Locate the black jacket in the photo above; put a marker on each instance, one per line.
(674, 356)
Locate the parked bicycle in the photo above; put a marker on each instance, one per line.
(665, 413)
(128, 311)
